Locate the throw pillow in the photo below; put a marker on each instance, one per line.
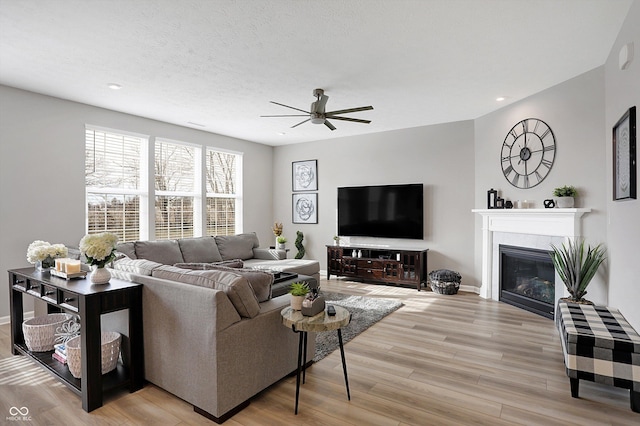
(166, 252)
(199, 249)
(235, 286)
(260, 281)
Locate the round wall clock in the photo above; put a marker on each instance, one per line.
(527, 153)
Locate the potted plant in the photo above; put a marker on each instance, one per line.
(576, 267)
(277, 230)
(336, 240)
(565, 196)
(298, 291)
(281, 242)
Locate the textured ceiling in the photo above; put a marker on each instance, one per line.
(218, 63)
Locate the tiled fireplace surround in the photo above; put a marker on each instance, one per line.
(531, 228)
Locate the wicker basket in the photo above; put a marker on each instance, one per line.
(444, 281)
(110, 353)
(39, 332)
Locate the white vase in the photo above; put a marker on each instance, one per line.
(296, 302)
(564, 202)
(100, 275)
(281, 246)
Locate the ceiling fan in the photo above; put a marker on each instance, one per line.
(318, 115)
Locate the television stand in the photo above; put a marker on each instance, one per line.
(383, 265)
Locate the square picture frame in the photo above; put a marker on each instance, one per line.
(304, 175)
(624, 157)
(304, 208)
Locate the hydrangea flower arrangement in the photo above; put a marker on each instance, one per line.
(45, 252)
(99, 249)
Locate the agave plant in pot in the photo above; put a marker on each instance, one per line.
(576, 266)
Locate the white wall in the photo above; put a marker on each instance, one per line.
(42, 171)
(440, 157)
(622, 92)
(575, 112)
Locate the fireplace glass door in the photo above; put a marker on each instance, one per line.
(527, 279)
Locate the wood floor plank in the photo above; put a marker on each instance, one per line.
(438, 360)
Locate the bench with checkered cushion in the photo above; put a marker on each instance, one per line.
(599, 345)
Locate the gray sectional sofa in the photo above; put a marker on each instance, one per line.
(213, 334)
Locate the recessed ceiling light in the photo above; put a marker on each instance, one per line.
(500, 98)
(114, 86)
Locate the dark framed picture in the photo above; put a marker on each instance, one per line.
(305, 208)
(305, 175)
(624, 156)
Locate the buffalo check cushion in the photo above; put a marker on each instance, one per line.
(599, 345)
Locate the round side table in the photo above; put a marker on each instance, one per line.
(315, 324)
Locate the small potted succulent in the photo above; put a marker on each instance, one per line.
(336, 240)
(565, 196)
(298, 291)
(281, 242)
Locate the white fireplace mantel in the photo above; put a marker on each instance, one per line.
(565, 223)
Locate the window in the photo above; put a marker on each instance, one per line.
(113, 182)
(222, 183)
(175, 189)
(176, 194)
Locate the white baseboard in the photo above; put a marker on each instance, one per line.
(7, 319)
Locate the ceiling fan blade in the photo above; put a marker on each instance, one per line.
(300, 123)
(355, 120)
(286, 115)
(345, 111)
(329, 125)
(287, 106)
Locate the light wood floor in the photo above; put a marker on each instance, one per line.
(450, 360)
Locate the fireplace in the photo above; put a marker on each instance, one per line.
(527, 279)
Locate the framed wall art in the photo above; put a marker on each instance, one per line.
(305, 175)
(305, 208)
(624, 156)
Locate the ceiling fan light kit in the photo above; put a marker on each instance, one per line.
(318, 115)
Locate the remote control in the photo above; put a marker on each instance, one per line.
(331, 311)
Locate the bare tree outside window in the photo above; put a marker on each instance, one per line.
(221, 192)
(112, 173)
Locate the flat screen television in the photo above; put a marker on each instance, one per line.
(385, 211)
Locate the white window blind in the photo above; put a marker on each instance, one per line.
(222, 178)
(175, 189)
(112, 181)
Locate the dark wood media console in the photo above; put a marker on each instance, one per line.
(384, 265)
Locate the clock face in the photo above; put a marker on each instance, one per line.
(527, 153)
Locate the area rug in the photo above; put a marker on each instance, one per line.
(365, 311)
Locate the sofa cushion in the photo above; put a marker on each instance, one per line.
(166, 252)
(136, 266)
(199, 249)
(235, 263)
(127, 249)
(235, 286)
(236, 246)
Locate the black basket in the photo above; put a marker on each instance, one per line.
(444, 281)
